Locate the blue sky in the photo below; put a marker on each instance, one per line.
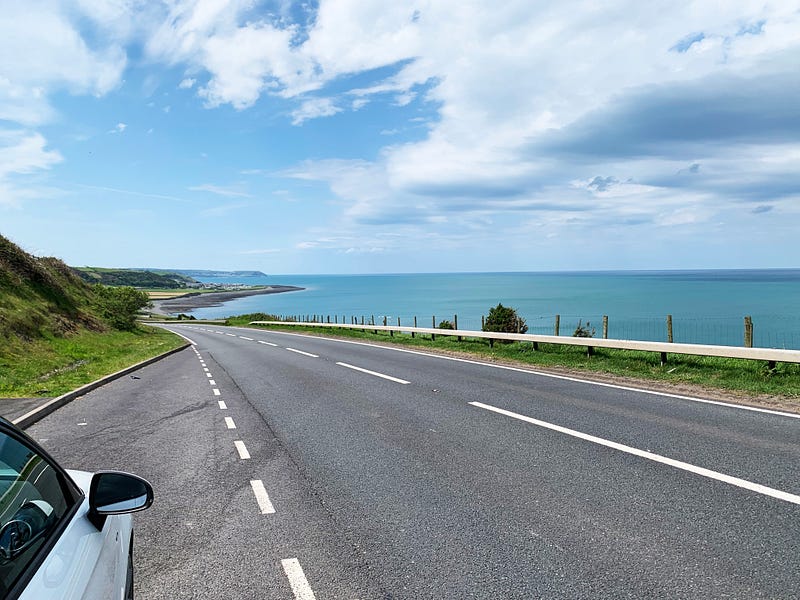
(364, 136)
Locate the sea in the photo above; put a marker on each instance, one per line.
(706, 306)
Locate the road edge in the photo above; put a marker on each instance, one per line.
(31, 417)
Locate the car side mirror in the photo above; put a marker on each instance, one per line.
(116, 493)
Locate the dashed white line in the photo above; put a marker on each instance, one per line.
(262, 497)
(208, 374)
(229, 423)
(222, 405)
(303, 353)
(241, 337)
(297, 579)
(742, 483)
(381, 375)
(267, 343)
(231, 334)
(212, 382)
(216, 391)
(241, 449)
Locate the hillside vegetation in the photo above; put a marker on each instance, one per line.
(59, 331)
(134, 278)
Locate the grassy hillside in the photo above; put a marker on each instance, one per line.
(60, 332)
(42, 297)
(134, 278)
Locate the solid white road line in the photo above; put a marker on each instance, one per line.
(262, 497)
(303, 353)
(216, 391)
(381, 375)
(267, 343)
(297, 579)
(554, 376)
(229, 423)
(241, 337)
(222, 405)
(742, 483)
(241, 449)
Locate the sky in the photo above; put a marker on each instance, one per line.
(365, 136)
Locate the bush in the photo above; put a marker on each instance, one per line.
(504, 319)
(446, 325)
(118, 305)
(583, 332)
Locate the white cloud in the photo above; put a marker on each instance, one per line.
(120, 128)
(49, 54)
(186, 84)
(314, 108)
(22, 153)
(220, 190)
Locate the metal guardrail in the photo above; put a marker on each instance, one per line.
(771, 355)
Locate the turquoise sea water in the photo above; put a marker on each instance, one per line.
(706, 306)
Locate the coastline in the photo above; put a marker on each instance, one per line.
(192, 301)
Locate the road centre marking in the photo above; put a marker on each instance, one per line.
(241, 449)
(303, 353)
(208, 374)
(222, 405)
(212, 382)
(297, 579)
(553, 376)
(268, 343)
(216, 391)
(229, 423)
(241, 337)
(381, 375)
(742, 483)
(262, 497)
(231, 334)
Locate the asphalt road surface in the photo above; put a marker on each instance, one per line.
(289, 466)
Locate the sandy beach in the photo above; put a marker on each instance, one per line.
(189, 302)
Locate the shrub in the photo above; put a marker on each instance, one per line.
(504, 319)
(583, 332)
(446, 325)
(118, 305)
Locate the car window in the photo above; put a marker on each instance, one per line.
(33, 499)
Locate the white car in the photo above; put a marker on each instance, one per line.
(64, 534)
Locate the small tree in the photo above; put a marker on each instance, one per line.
(504, 319)
(583, 332)
(118, 305)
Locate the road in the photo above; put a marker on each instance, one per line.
(289, 466)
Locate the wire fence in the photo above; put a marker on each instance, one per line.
(768, 331)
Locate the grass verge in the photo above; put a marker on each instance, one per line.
(743, 379)
(54, 366)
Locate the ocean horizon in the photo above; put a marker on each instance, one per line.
(707, 306)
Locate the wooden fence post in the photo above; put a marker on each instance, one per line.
(413, 333)
(455, 324)
(748, 332)
(558, 324)
(605, 327)
(433, 335)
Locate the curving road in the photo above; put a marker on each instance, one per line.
(289, 466)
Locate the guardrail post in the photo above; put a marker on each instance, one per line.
(455, 324)
(415, 326)
(433, 335)
(748, 332)
(391, 333)
(605, 327)
(558, 324)
(483, 322)
(589, 351)
(669, 328)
